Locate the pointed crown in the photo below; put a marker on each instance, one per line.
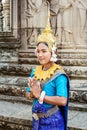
(47, 35)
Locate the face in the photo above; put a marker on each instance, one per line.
(43, 54)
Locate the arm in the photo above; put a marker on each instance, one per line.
(55, 100)
(61, 92)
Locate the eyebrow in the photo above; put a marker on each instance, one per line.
(41, 49)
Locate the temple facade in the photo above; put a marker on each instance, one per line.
(21, 21)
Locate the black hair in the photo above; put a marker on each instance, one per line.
(43, 43)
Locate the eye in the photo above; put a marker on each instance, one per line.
(44, 51)
(38, 51)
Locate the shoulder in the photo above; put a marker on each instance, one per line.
(61, 77)
(58, 69)
(60, 74)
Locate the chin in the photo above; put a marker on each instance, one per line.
(43, 63)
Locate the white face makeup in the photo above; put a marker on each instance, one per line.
(43, 54)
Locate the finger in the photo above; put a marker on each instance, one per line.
(38, 83)
(32, 84)
(29, 79)
(34, 79)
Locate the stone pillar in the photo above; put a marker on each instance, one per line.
(1, 16)
(15, 16)
(23, 29)
(6, 11)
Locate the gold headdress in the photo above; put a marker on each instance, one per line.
(46, 35)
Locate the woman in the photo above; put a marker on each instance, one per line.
(48, 87)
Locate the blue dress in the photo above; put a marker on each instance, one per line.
(58, 85)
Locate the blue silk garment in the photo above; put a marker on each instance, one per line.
(58, 85)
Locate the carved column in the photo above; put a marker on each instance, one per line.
(1, 16)
(15, 17)
(6, 10)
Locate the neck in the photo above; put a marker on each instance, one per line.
(47, 66)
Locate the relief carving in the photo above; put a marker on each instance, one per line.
(72, 56)
(25, 70)
(73, 95)
(12, 90)
(73, 62)
(76, 72)
(36, 15)
(63, 25)
(84, 96)
(79, 21)
(68, 20)
(8, 55)
(78, 96)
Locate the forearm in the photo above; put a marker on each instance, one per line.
(55, 100)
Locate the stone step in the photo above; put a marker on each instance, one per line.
(15, 99)
(78, 90)
(72, 55)
(77, 72)
(77, 120)
(72, 62)
(12, 90)
(19, 115)
(64, 62)
(29, 60)
(15, 69)
(13, 82)
(77, 106)
(15, 116)
(63, 48)
(73, 51)
(66, 46)
(22, 99)
(62, 54)
(28, 54)
(79, 85)
(9, 44)
(64, 58)
(16, 85)
(67, 54)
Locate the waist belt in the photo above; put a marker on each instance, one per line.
(51, 111)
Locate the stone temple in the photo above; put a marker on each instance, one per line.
(20, 23)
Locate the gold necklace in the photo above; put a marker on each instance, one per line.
(46, 68)
(42, 75)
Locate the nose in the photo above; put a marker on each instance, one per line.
(40, 54)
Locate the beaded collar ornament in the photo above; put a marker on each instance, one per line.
(42, 75)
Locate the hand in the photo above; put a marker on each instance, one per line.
(34, 87)
(29, 96)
